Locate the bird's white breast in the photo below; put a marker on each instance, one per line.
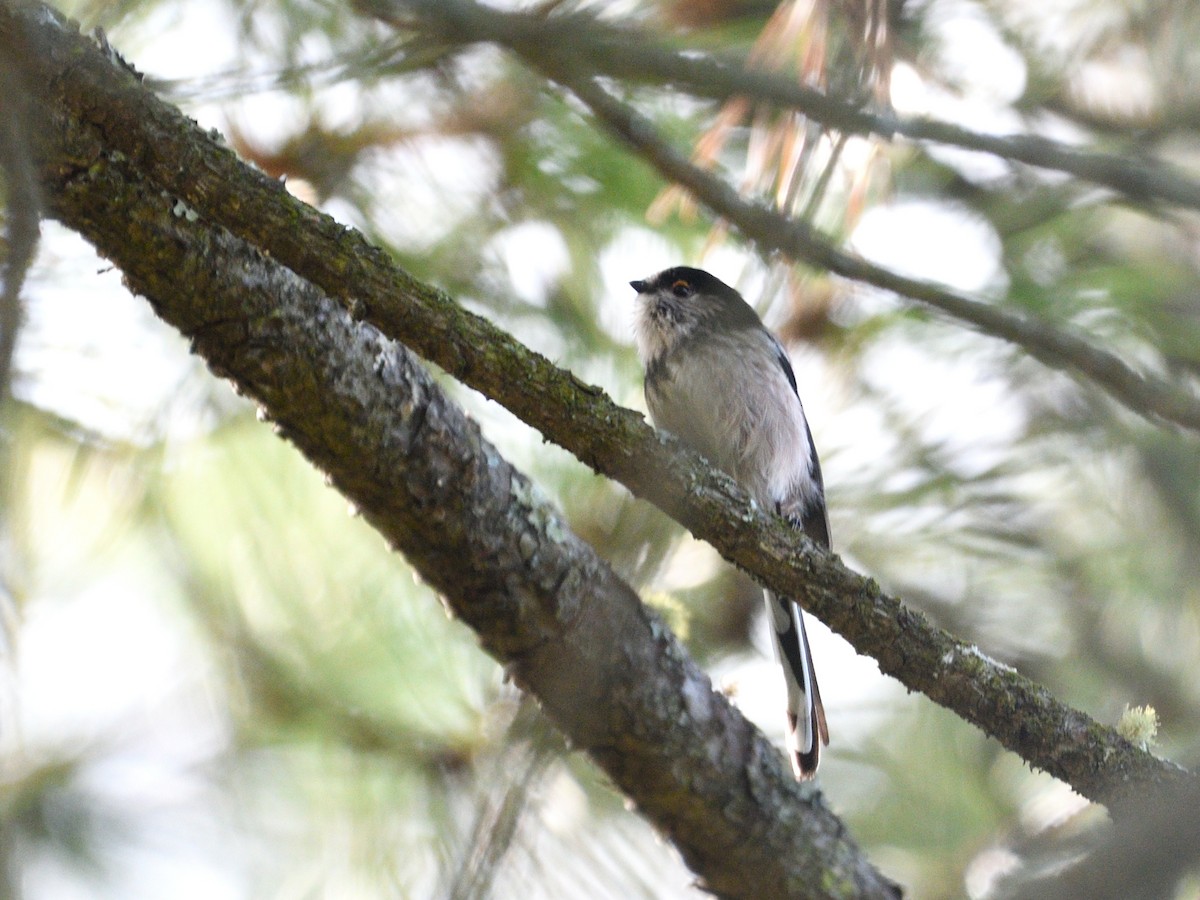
(729, 397)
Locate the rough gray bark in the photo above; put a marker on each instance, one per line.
(102, 118)
(364, 410)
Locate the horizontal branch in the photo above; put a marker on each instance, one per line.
(191, 166)
(596, 48)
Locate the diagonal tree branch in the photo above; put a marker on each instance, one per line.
(364, 410)
(593, 47)
(126, 125)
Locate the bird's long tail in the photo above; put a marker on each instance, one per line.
(807, 730)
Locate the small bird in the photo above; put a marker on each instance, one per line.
(716, 378)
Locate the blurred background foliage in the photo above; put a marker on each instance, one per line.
(220, 683)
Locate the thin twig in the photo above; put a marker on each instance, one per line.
(597, 48)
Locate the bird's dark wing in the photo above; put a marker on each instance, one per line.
(814, 520)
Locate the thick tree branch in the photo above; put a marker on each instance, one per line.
(129, 126)
(596, 48)
(365, 411)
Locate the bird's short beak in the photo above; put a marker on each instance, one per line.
(638, 286)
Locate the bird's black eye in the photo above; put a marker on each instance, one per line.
(681, 288)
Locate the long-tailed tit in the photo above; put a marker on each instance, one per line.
(720, 381)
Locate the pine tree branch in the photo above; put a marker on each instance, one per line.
(130, 129)
(365, 411)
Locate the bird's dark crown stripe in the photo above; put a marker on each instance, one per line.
(695, 278)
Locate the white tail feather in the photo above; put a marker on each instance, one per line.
(807, 731)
